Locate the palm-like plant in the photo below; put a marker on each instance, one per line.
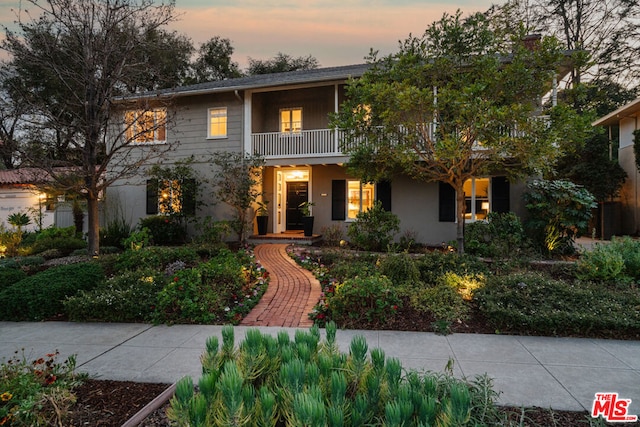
(19, 220)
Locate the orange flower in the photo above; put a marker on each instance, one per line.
(6, 396)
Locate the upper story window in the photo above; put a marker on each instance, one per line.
(360, 198)
(217, 123)
(148, 126)
(291, 120)
(476, 196)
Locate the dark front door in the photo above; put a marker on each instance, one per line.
(297, 192)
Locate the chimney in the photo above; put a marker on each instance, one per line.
(532, 41)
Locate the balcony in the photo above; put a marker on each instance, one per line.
(306, 143)
(326, 142)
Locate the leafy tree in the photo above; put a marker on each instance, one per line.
(281, 63)
(237, 177)
(445, 107)
(592, 167)
(72, 62)
(214, 62)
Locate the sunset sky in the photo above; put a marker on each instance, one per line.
(336, 32)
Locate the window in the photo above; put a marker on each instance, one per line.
(291, 120)
(146, 126)
(168, 197)
(217, 123)
(478, 203)
(476, 196)
(359, 198)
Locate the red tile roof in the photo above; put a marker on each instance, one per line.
(23, 176)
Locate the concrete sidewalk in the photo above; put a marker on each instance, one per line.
(558, 373)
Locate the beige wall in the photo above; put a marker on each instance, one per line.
(14, 200)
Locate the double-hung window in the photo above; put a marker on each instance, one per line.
(291, 120)
(476, 196)
(360, 197)
(146, 126)
(217, 123)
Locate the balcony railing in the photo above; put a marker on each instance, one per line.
(324, 142)
(306, 143)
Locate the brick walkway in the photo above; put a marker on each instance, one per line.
(292, 291)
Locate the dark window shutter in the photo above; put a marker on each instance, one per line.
(338, 199)
(447, 202)
(152, 196)
(500, 201)
(383, 194)
(189, 196)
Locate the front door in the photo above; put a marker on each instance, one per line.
(297, 193)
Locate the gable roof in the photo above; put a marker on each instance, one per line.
(269, 80)
(631, 109)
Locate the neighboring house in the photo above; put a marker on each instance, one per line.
(285, 118)
(621, 124)
(19, 193)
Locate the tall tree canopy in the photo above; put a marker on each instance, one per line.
(451, 105)
(605, 31)
(214, 62)
(281, 63)
(70, 63)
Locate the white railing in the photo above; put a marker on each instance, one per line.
(325, 142)
(319, 142)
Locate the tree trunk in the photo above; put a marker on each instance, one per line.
(460, 209)
(93, 232)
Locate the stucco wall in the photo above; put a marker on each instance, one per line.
(13, 200)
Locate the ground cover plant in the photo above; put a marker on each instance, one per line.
(38, 392)
(41, 295)
(447, 292)
(304, 381)
(174, 285)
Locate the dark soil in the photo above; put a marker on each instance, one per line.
(112, 403)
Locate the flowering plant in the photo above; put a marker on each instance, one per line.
(37, 393)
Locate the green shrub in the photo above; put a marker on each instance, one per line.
(535, 304)
(128, 297)
(501, 236)
(28, 263)
(164, 229)
(155, 257)
(41, 296)
(559, 211)
(115, 233)
(54, 253)
(374, 229)
(446, 300)
(269, 381)
(9, 276)
(400, 269)
(630, 250)
(370, 299)
(432, 265)
(62, 239)
(222, 289)
(601, 264)
(9, 241)
(332, 235)
(345, 267)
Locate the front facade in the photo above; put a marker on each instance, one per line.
(285, 118)
(621, 124)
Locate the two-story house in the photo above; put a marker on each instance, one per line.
(285, 118)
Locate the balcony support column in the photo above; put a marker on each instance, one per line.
(246, 137)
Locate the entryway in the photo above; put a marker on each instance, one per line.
(292, 187)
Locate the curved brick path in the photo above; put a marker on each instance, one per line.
(292, 291)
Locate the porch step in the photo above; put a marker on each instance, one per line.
(298, 238)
